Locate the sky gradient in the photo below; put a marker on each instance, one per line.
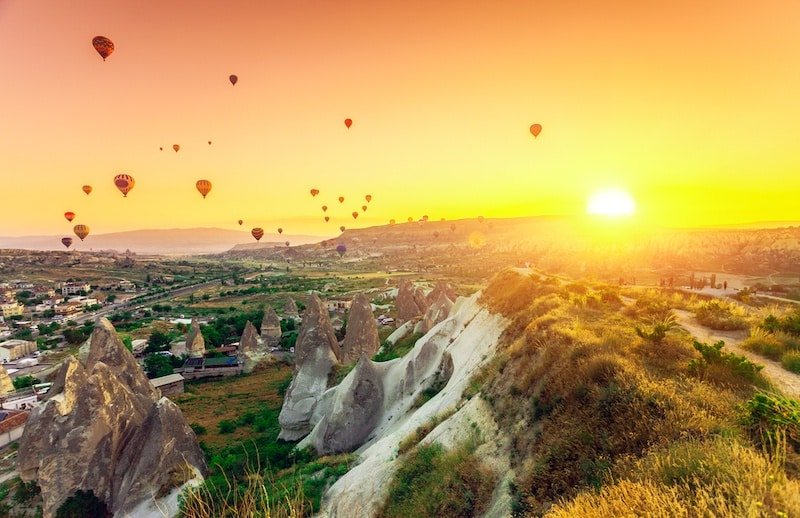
(690, 106)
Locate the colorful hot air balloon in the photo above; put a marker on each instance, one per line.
(124, 183)
(81, 231)
(176, 147)
(368, 197)
(324, 208)
(341, 229)
(87, 189)
(355, 215)
(257, 233)
(536, 129)
(341, 249)
(341, 199)
(280, 230)
(327, 219)
(363, 208)
(103, 46)
(69, 215)
(240, 222)
(204, 186)
(348, 123)
(66, 241)
(314, 192)
(233, 79)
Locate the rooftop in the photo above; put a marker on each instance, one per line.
(166, 380)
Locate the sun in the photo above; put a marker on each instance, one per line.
(612, 203)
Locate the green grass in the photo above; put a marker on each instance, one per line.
(433, 482)
(399, 349)
(791, 361)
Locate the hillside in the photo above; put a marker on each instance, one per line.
(183, 241)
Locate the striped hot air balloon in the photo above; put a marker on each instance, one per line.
(204, 186)
(257, 233)
(81, 231)
(124, 182)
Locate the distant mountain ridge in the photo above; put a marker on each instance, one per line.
(188, 241)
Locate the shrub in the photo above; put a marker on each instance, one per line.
(24, 381)
(720, 315)
(435, 482)
(658, 330)
(770, 416)
(226, 426)
(724, 367)
(765, 344)
(791, 361)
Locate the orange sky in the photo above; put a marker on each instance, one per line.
(691, 106)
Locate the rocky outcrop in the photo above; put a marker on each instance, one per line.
(290, 308)
(105, 428)
(410, 303)
(271, 328)
(438, 311)
(438, 289)
(362, 331)
(6, 385)
(195, 343)
(316, 352)
(249, 342)
(355, 410)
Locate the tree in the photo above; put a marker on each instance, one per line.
(24, 381)
(158, 341)
(111, 298)
(75, 336)
(157, 365)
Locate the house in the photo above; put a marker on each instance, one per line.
(169, 384)
(335, 305)
(12, 309)
(12, 424)
(206, 367)
(75, 288)
(11, 350)
(126, 285)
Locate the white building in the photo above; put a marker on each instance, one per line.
(75, 288)
(10, 350)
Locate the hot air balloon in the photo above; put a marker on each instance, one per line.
(176, 147)
(240, 222)
(161, 149)
(314, 192)
(324, 208)
(87, 189)
(341, 199)
(536, 129)
(66, 241)
(69, 215)
(204, 186)
(341, 229)
(368, 197)
(341, 249)
(287, 243)
(410, 219)
(355, 215)
(425, 217)
(81, 231)
(363, 208)
(233, 79)
(257, 233)
(280, 231)
(391, 222)
(327, 219)
(348, 123)
(209, 142)
(124, 183)
(103, 46)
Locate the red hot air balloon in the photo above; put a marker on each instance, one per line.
(341, 249)
(355, 215)
(103, 46)
(314, 192)
(536, 129)
(324, 208)
(280, 231)
(87, 189)
(240, 222)
(341, 229)
(81, 231)
(341, 199)
(124, 183)
(327, 219)
(66, 241)
(348, 123)
(176, 147)
(257, 233)
(204, 186)
(368, 197)
(233, 79)
(69, 215)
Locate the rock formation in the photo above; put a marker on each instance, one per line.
(6, 385)
(249, 343)
(441, 287)
(438, 311)
(195, 343)
(410, 303)
(271, 328)
(104, 428)
(290, 308)
(362, 331)
(316, 352)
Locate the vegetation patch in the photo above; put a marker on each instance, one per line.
(720, 315)
(399, 349)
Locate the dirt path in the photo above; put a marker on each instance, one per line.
(787, 382)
